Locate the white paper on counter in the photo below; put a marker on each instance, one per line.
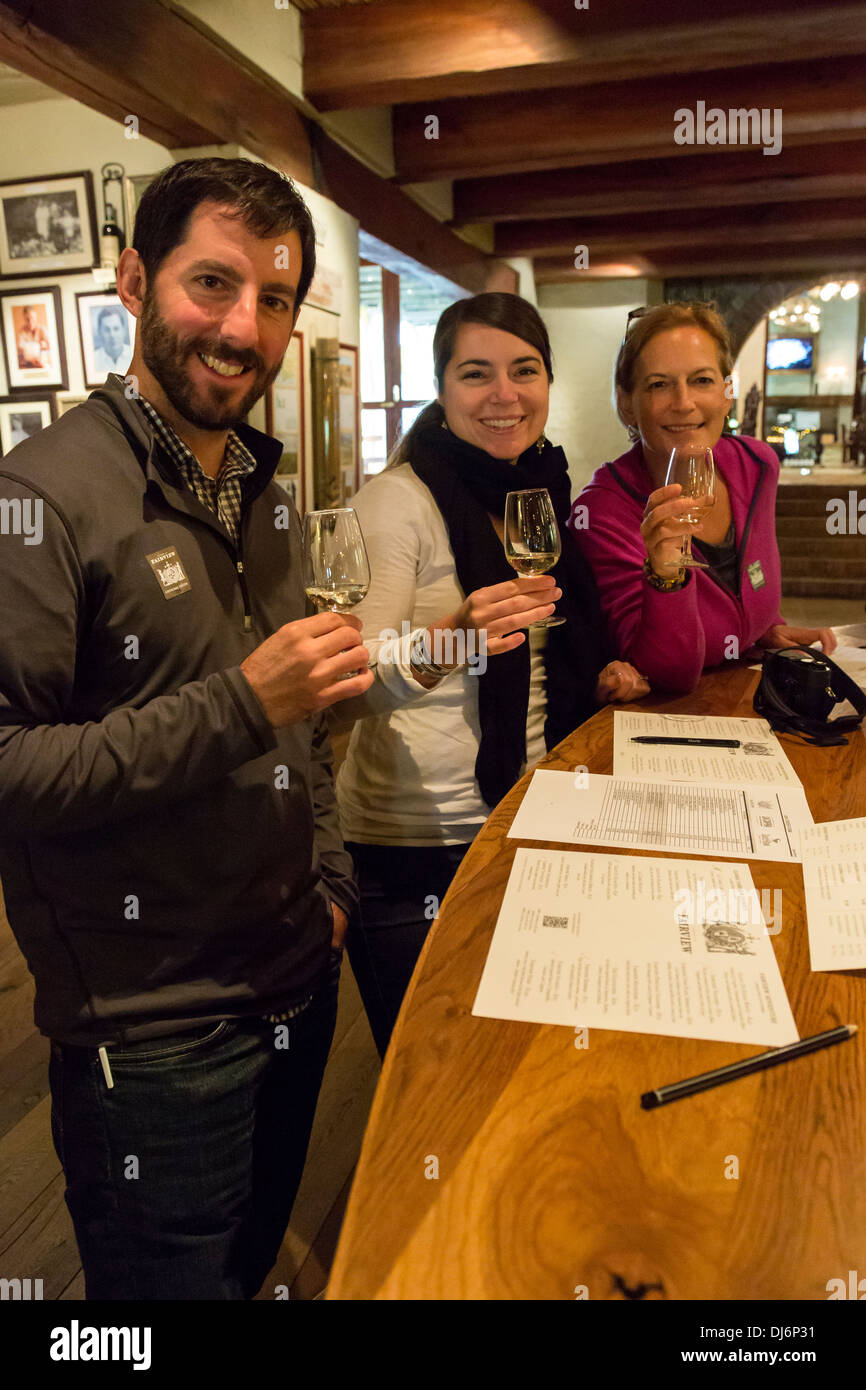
(595, 809)
(667, 946)
(853, 663)
(834, 876)
(760, 759)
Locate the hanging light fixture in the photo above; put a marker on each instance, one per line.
(830, 289)
(848, 291)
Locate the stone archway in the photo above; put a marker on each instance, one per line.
(744, 302)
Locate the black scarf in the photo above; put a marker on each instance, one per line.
(467, 483)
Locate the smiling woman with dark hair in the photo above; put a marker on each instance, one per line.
(670, 382)
(446, 742)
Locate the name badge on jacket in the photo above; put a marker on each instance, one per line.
(756, 574)
(169, 570)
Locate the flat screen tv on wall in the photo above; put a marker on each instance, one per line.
(789, 354)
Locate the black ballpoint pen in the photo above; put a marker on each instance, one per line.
(691, 742)
(664, 1094)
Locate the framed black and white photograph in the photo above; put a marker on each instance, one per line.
(48, 226)
(106, 331)
(21, 418)
(33, 344)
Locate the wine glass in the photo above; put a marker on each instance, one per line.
(692, 466)
(531, 537)
(336, 568)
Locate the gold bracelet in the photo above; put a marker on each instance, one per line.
(664, 585)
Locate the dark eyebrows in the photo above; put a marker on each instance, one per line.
(482, 361)
(228, 272)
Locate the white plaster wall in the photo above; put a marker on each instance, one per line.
(586, 322)
(526, 283)
(837, 346)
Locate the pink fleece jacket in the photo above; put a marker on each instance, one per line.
(672, 637)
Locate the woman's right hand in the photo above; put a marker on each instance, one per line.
(504, 610)
(663, 528)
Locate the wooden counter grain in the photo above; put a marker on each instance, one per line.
(551, 1178)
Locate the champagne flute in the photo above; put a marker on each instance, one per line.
(336, 568)
(531, 537)
(692, 466)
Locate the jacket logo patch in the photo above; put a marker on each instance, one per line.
(756, 574)
(168, 568)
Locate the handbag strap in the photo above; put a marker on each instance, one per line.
(770, 703)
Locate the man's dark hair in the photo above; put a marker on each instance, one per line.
(265, 201)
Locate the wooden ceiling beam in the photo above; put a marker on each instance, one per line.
(409, 50)
(139, 59)
(725, 178)
(820, 103)
(30, 46)
(388, 213)
(836, 257)
(760, 225)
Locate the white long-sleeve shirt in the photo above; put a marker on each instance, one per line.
(409, 773)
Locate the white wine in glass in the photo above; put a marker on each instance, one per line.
(692, 466)
(336, 568)
(531, 537)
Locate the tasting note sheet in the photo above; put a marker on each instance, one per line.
(757, 822)
(834, 875)
(669, 946)
(759, 759)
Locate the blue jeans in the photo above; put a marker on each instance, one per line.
(384, 940)
(181, 1178)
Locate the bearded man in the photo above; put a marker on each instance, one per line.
(169, 849)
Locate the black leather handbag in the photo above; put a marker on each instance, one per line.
(799, 687)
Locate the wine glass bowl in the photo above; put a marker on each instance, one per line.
(336, 568)
(531, 537)
(693, 467)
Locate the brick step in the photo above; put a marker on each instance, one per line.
(814, 526)
(834, 547)
(816, 506)
(824, 588)
(808, 565)
(811, 491)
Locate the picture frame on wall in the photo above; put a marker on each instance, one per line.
(65, 400)
(284, 419)
(21, 417)
(48, 225)
(133, 187)
(106, 331)
(350, 420)
(34, 349)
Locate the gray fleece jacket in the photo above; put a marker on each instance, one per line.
(166, 856)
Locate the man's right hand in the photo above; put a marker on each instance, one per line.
(295, 673)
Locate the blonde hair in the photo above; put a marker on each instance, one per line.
(658, 320)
